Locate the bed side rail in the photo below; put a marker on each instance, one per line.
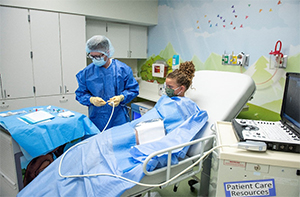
(169, 151)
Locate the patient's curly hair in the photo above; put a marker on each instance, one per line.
(184, 75)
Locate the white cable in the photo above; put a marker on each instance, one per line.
(138, 183)
(112, 112)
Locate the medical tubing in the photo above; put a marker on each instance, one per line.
(134, 182)
(112, 112)
(268, 79)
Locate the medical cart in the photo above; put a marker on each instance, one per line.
(11, 181)
(22, 141)
(238, 172)
(140, 108)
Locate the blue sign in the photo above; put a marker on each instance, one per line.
(264, 187)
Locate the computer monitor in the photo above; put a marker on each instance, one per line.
(290, 110)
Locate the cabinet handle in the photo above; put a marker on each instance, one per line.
(1, 88)
(63, 100)
(66, 89)
(129, 53)
(4, 105)
(8, 179)
(60, 89)
(6, 95)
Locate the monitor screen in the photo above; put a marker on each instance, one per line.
(290, 111)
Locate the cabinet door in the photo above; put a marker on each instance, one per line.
(118, 34)
(73, 54)
(15, 61)
(138, 41)
(69, 102)
(64, 101)
(15, 104)
(46, 52)
(95, 27)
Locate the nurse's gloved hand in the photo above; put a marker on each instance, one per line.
(97, 101)
(116, 100)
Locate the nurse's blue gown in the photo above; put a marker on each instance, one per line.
(106, 83)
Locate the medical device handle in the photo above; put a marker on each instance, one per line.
(169, 150)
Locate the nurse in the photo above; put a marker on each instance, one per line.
(179, 81)
(103, 81)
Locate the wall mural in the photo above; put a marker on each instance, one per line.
(204, 30)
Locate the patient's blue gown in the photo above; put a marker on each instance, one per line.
(115, 151)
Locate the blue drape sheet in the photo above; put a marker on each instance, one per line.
(115, 151)
(41, 138)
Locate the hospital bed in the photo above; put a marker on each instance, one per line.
(223, 95)
(114, 152)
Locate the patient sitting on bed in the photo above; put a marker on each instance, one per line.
(177, 82)
(115, 151)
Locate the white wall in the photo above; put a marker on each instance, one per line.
(140, 12)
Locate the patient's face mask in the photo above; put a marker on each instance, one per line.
(170, 92)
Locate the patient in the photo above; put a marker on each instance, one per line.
(115, 151)
(179, 81)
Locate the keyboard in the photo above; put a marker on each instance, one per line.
(270, 131)
(276, 135)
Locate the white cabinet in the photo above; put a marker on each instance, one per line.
(45, 39)
(41, 52)
(73, 54)
(15, 62)
(58, 44)
(95, 27)
(129, 41)
(138, 41)
(56, 82)
(118, 34)
(64, 101)
(15, 104)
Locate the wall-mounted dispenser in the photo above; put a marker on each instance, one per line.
(159, 69)
(277, 59)
(175, 63)
(240, 59)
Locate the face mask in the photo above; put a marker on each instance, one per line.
(100, 62)
(170, 92)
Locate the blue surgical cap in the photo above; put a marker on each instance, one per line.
(100, 44)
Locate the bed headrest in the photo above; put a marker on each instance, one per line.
(222, 94)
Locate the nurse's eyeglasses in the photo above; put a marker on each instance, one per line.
(97, 57)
